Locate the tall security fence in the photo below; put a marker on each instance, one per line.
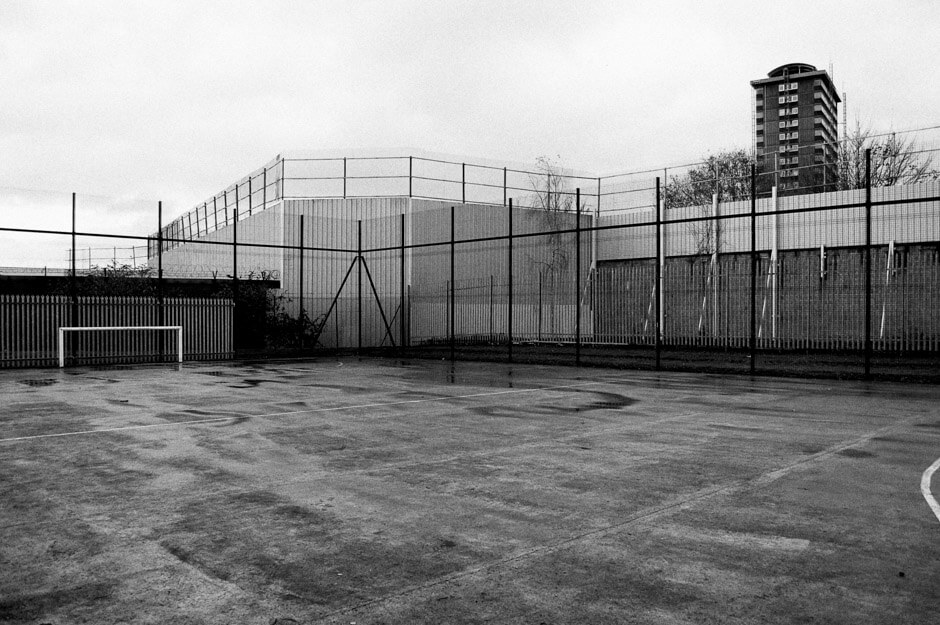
(710, 266)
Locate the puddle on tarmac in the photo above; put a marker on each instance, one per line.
(39, 382)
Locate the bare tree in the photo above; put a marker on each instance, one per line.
(894, 160)
(727, 175)
(552, 193)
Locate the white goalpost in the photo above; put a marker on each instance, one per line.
(63, 330)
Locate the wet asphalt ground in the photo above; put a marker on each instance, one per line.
(345, 491)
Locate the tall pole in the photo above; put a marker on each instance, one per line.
(410, 175)
(868, 346)
(463, 183)
(235, 290)
(303, 325)
(509, 324)
(161, 313)
(359, 291)
(73, 281)
(453, 307)
(657, 288)
(577, 276)
(401, 306)
(754, 267)
(73, 278)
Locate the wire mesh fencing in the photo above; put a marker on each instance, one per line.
(717, 265)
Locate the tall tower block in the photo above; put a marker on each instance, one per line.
(796, 128)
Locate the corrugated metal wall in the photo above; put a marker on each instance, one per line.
(843, 227)
(334, 223)
(705, 301)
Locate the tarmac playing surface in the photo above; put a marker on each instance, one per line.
(345, 491)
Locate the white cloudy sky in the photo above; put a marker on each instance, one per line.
(173, 100)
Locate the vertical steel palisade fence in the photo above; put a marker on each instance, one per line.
(742, 289)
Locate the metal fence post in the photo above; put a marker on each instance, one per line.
(410, 175)
(463, 183)
(73, 279)
(344, 177)
(509, 313)
(491, 306)
(303, 324)
(359, 291)
(539, 326)
(504, 185)
(453, 287)
(161, 313)
(753, 340)
(401, 307)
(657, 288)
(868, 346)
(235, 289)
(577, 277)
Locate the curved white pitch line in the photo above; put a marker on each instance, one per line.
(925, 488)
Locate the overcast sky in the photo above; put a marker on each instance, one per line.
(174, 100)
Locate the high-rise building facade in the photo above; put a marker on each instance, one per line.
(796, 128)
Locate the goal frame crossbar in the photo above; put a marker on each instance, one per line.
(64, 329)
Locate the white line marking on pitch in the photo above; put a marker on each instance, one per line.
(925, 488)
(295, 412)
